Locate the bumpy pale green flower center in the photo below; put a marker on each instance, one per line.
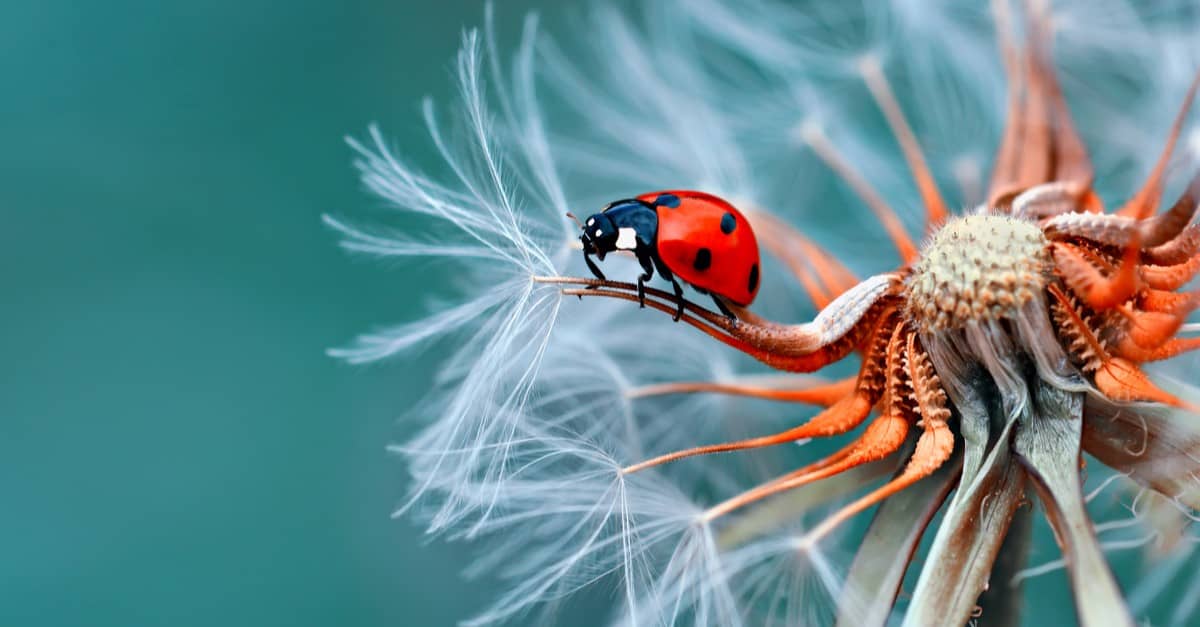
(976, 268)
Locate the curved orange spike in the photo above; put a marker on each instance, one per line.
(840, 417)
(836, 277)
(825, 149)
(824, 462)
(1117, 378)
(1176, 251)
(1096, 290)
(1009, 150)
(1035, 165)
(1177, 303)
(1070, 160)
(1040, 143)
(786, 242)
(1114, 230)
(1126, 348)
(838, 327)
(1117, 230)
(935, 208)
(825, 394)
(1122, 381)
(1170, 278)
(797, 254)
(1090, 202)
(1165, 227)
(770, 235)
(1149, 328)
(933, 449)
(1145, 201)
(881, 438)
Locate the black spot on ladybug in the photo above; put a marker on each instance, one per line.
(667, 200)
(703, 259)
(728, 223)
(753, 283)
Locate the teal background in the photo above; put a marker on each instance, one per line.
(176, 448)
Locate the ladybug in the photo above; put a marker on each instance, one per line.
(697, 237)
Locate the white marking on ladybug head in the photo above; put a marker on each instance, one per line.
(591, 222)
(598, 232)
(626, 238)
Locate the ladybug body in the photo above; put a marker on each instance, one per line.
(694, 236)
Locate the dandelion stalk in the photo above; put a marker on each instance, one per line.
(1002, 603)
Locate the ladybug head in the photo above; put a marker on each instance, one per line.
(599, 235)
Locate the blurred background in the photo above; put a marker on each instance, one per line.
(177, 449)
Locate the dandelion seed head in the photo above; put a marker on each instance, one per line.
(976, 268)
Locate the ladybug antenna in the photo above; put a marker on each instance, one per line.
(577, 222)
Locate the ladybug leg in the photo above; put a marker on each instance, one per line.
(647, 272)
(587, 258)
(666, 273)
(723, 307)
(678, 299)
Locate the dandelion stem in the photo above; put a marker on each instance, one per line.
(1002, 601)
(709, 316)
